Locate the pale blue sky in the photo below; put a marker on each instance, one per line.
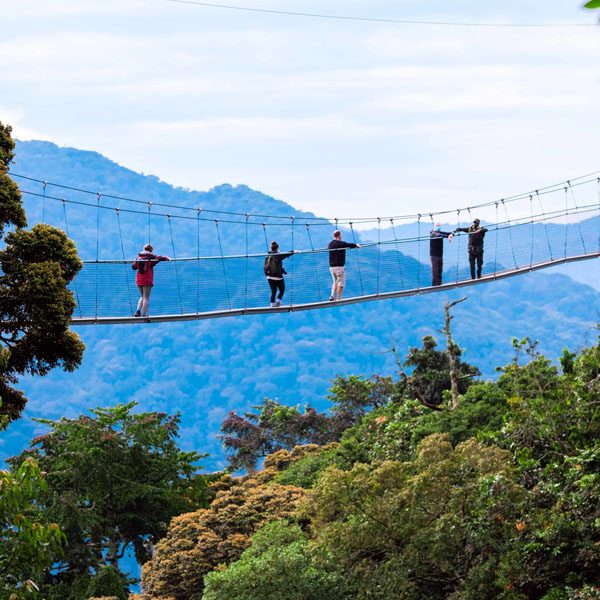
(337, 117)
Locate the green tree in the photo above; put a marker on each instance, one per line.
(29, 542)
(553, 430)
(354, 396)
(35, 303)
(394, 432)
(115, 479)
(199, 542)
(280, 565)
(431, 376)
(305, 471)
(429, 528)
(253, 436)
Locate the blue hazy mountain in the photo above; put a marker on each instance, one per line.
(204, 369)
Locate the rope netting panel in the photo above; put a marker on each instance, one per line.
(216, 265)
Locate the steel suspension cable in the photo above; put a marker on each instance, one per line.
(176, 270)
(97, 249)
(124, 263)
(470, 221)
(598, 184)
(532, 226)
(149, 211)
(512, 246)
(321, 220)
(342, 17)
(378, 251)
(397, 253)
(223, 263)
(246, 266)
(566, 220)
(75, 279)
(362, 291)
(457, 246)
(292, 265)
(545, 225)
(419, 252)
(44, 183)
(579, 221)
(198, 262)
(312, 248)
(496, 248)
(503, 225)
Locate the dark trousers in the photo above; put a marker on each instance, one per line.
(476, 257)
(437, 266)
(276, 284)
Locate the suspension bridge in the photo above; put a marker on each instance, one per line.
(217, 256)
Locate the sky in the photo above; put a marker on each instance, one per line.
(339, 117)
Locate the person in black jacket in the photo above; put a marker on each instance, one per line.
(436, 252)
(274, 271)
(475, 246)
(337, 263)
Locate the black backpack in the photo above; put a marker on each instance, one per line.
(270, 266)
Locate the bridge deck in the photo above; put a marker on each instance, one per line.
(233, 312)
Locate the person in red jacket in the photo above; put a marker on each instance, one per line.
(144, 278)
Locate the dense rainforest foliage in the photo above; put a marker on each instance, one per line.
(499, 498)
(400, 497)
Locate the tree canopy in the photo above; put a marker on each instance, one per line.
(36, 304)
(29, 540)
(198, 542)
(114, 480)
(498, 497)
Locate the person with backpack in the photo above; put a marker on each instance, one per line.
(436, 252)
(475, 246)
(337, 263)
(274, 272)
(144, 278)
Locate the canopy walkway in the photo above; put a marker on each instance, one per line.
(522, 236)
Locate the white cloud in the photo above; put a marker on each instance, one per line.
(16, 118)
(323, 114)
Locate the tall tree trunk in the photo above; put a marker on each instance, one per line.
(450, 350)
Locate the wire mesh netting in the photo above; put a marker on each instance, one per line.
(217, 264)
